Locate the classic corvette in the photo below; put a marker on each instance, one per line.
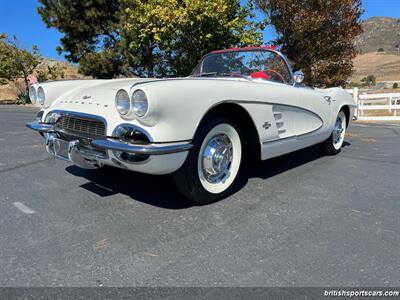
(237, 104)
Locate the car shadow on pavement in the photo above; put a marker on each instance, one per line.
(158, 191)
(161, 191)
(274, 166)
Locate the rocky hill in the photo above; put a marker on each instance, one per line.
(10, 91)
(379, 32)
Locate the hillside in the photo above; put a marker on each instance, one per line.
(384, 66)
(379, 32)
(10, 91)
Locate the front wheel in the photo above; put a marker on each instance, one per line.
(213, 164)
(334, 143)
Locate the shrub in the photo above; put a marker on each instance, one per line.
(23, 98)
(395, 85)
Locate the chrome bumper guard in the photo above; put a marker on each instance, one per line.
(41, 127)
(90, 159)
(150, 149)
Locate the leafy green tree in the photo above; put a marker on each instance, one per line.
(172, 35)
(49, 73)
(370, 80)
(159, 38)
(317, 36)
(16, 63)
(91, 33)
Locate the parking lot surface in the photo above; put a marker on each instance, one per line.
(299, 220)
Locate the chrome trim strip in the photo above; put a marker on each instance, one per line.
(292, 136)
(272, 103)
(150, 149)
(256, 102)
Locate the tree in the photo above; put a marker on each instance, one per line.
(317, 36)
(91, 33)
(395, 85)
(172, 35)
(370, 80)
(49, 73)
(159, 38)
(16, 63)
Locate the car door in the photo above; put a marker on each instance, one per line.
(300, 116)
(313, 123)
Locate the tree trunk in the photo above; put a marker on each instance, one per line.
(150, 62)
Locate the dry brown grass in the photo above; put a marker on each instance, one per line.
(385, 67)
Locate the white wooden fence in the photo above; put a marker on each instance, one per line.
(376, 107)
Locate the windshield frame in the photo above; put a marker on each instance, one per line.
(200, 64)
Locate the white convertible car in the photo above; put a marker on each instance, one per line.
(237, 104)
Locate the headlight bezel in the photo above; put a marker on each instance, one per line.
(139, 103)
(123, 112)
(41, 96)
(52, 117)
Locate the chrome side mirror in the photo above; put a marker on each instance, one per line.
(298, 77)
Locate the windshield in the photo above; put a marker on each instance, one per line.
(261, 64)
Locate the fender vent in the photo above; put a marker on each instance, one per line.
(280, 124)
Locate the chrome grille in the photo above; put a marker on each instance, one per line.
(82, 126)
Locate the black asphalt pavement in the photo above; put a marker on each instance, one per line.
(299, 220)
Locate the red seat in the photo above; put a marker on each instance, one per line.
(262, 75)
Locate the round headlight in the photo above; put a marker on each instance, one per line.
(40, 96)
(139, 103)
(122, 102)
(32, 94)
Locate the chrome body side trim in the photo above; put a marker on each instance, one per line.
(262, 103)
(273, 103)
(293, 136)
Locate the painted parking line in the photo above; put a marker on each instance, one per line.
(25, 209)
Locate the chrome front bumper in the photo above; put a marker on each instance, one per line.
(79, 154)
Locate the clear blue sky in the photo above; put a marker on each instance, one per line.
(20, 17)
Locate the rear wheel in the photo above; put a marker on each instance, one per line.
(334, 143)
(213, 164)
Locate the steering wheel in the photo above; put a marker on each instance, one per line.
(264, 74)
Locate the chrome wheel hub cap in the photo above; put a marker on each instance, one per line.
(338, 131)
(217, 159)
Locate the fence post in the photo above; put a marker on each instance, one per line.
(390, 104)
(355, 98)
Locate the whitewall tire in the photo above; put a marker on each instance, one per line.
(213, 164)
(335, 141)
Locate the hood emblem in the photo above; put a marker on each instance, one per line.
(86, 97)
